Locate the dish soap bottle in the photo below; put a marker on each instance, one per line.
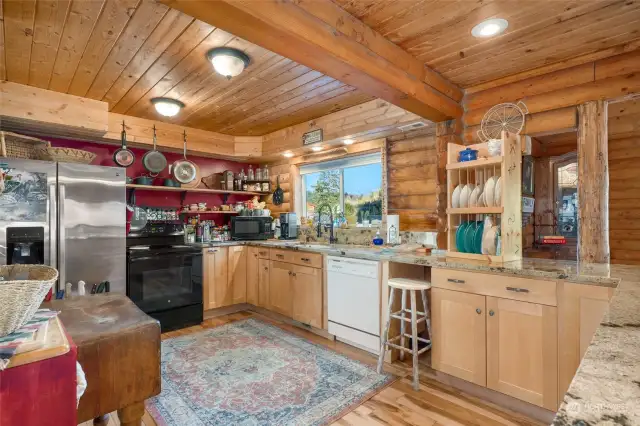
(377, 241)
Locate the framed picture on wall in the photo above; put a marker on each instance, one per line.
(527, 175)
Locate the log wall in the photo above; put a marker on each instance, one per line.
(411, 182)
(624, 182)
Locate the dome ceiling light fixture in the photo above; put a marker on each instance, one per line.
(348, 141)
(490, 28)
(167, 106)
(227, 61)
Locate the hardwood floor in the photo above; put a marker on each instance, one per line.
(435, 404)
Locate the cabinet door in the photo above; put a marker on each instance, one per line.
(217, 291)
(580, 311)
(263, 283)
(253, 272)
(280, 299)
(459, 334)
(307, 296)
(238, 273)
(522, 351)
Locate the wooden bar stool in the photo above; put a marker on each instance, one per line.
(412, 286)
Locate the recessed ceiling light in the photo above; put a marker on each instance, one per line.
(348, 141)
(227, 61)
(288, 154)
(167, 106)
(316, 148)
(489, 28)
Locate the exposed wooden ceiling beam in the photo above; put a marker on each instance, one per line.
(309, 36)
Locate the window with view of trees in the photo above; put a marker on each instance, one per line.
(351, 188)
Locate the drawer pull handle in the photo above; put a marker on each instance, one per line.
(262, 253)
(290, 272)
(305, 259)
(518, 290)
(491, 313)
(212, 251)
(453, 280)
(478, 311)
(266, 269)
(294, 274)
(279, 256)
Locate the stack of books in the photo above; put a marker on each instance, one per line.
(554, 239)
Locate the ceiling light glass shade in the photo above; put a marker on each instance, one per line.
(228, 62)
(316, 148)
(348, 141)
(167, 107)
(489, 28)
(288, 154)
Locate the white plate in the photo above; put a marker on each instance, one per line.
(489, 240)
(466, 194)
(455, 197)
(497, 193)
(474, 200)
(489, 187)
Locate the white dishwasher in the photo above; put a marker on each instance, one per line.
(353, 302)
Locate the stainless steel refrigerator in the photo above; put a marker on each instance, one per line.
(70, 216)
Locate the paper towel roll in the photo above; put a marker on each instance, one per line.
(393, 227)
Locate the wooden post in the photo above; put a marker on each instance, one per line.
(446, 132)
(593, 183)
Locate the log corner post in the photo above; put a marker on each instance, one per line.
(593, 183)
(449, 131)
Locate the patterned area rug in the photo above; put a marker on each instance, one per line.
(252, 373)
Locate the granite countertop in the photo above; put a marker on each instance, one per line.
(606, 387)
(542, 268)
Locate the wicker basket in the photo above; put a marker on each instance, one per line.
(65, 155)
(14, 145)
(22, 289)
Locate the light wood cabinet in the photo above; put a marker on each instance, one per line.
(580, 311)
(217, 290)
(253, 275)
(306, 284)
(522, 356)
(280, 297)
(238, 274)
(263, 283)
(459, 334)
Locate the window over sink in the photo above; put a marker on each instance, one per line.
(351, 187)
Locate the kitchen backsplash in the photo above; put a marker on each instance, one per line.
(363, 236)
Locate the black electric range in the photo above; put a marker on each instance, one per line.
(164, 276)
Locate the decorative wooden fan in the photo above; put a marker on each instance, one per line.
(507, 116)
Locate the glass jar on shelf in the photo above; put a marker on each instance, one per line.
(258, 173)
(251, 176)
(265, 172)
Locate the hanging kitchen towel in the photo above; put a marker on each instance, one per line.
(10, 344)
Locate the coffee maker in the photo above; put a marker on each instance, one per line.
(288, 226)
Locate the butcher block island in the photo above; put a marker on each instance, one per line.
(519, 329)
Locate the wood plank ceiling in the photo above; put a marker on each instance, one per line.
(126, 52)
(438, 32)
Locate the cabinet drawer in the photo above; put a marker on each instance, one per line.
(302, 258)
(263, 253)
(506, 287)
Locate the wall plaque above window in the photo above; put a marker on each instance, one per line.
(312, 137)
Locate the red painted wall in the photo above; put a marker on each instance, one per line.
(104, 157)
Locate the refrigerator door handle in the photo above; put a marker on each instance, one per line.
(53, 227)
(62, 268)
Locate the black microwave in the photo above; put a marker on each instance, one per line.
(251, 228)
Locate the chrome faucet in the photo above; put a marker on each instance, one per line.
(332, 239)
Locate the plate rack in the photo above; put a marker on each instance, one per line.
(507, 216)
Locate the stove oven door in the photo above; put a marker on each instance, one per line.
(163, 281)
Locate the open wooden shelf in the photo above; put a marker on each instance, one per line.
(480, 162)
(201, 190)
(476, 210)
(208, 212)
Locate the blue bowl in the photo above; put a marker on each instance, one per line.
(468, 155)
